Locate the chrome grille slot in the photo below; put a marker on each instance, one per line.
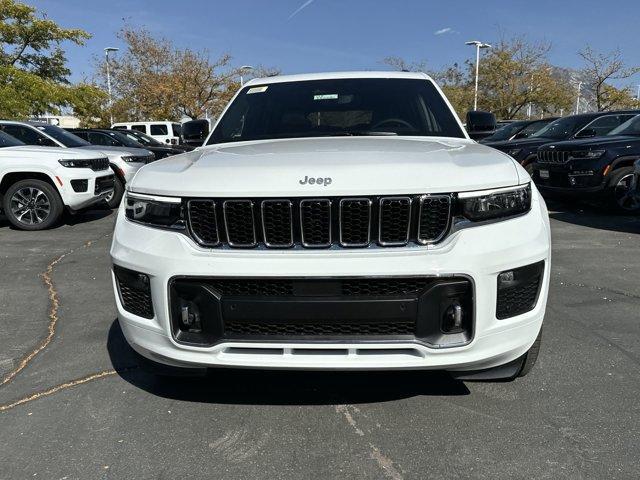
(315, 222)
(395, 221)
(434, 218)
(277, 223)
(553, 156)
(239, 223)
(355, 222)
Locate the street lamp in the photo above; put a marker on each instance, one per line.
(106, 57)
(478, 44)
(578, 98)
(244, 69)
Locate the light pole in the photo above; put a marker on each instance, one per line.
(638, 95)
(578, 99)
(478, 44)
(106, 58)
(244, 69)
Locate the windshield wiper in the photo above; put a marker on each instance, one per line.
(371, 133)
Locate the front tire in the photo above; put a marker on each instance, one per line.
(621, 195)
(113, 200)
(32, 205)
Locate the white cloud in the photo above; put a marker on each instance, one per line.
(442, 31)
(300, 8)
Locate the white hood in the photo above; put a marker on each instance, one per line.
(355, 165)
(47, 153)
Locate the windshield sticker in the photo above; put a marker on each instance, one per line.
(257, 89)
(326, 96)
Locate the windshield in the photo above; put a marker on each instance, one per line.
(506, 132)
(630, 127)
(142, 138)
(125, 139)
(562, 128)
(338, 107)
(67, 139)
(7, 140)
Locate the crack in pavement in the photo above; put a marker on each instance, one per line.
(57, 388)
(384, 463)
(51, 330)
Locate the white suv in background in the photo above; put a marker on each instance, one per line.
(335, 221)
(125, 161)
(165, 132)
(37, 183)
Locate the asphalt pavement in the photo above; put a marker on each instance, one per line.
(74, 405)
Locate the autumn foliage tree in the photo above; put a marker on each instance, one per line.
(153, 79)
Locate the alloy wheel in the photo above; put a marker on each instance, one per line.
(30, 206)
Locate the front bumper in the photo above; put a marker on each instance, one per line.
(96, 187)
(478, 253)
(566, 180)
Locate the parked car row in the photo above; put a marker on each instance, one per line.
(45, 169)
(587, 156)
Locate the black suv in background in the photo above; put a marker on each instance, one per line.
(149, 141)
(585, 125)
(517, 130)
(591, 167)
(116, 138)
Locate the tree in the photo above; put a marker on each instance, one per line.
(154, 79)
(33, 44)
(601, 68)
(515, 73)
(33, 72)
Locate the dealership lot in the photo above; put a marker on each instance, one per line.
(95, 415)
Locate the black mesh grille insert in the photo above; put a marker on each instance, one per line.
(384, 286)
(519, 295)
(319, 329)
(315, 220)
(435, 213)
(239, 222)
(203, 222)
(277, 223)
(355, 222)
(135, 293)
(395, 219)
(252, 287)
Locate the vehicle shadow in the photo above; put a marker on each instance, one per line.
(592, 216)
(68, 219)
(281, 387)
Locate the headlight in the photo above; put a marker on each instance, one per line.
(163, 212)
(496, 205)
(514, 152)
(586, 154)
(75, 163)
(130, 159)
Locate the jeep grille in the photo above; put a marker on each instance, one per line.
(339, 222)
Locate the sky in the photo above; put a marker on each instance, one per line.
(300, 36)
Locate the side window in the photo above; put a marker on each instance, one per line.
(82, 135)
(159, 129)
(28, 135)
(603, 125)
(139, 128)
(101, 139)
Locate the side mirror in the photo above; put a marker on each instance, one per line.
(195, 132)
(586, 133)
(480, 124)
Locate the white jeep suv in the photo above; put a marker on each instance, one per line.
(124, 161)
(37, 183)
(335, 221)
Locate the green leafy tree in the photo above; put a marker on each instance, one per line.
(33, 72)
